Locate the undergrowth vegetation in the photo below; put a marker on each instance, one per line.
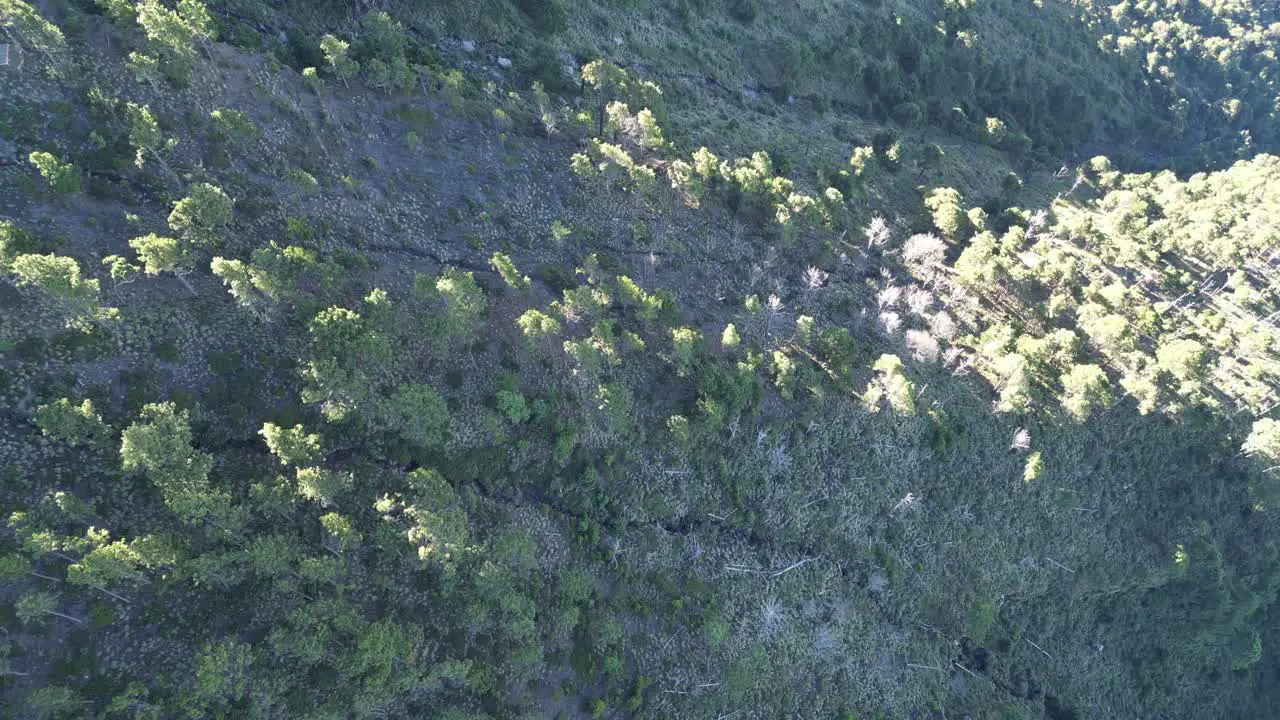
(556, 358)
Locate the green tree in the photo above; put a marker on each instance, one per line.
(58, 278)
(432, 512)
(224, 673)
(536, 324)
(1034, 467)
(891, 385)
(159, 443)
(294, 446)
(464, 304)
(239, 277)
(322, 485)
(948, 215)
(340, 63)
(172, 34)
(121, 270)
(416, 413)
(1085, 388)
(1264, 440)
(55, 702)
(63, 178)
(1184, 359)
(114, 562)
(199, 217)
(234, 126)
(686, 345)
(511, 275)
(162, 254)
(347, 352)
(74, 424)
(32, 608)
(730, 338)
(145, 136)
(341, 531)
(22, 22)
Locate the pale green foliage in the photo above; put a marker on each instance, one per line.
(1264, 440)
(1015, 383)
(30, 26)
(1185, 359)
(948, 215)
(784, 374)
(647, 305)
(804, 328)
(202, 214)
(111, 562)
(340, 63)
(239, 279)
(890, 385)
(31, 608)
(431, 516)
(862, 161)
(1033, 468)
(582, 166)
(58, 278)
(641, 129)
(145, 68)
(536, 324)
(322, 485)
(977, 267)
(173, 33)
(13, 567)
(345, 349)
(616, 164)
(511, 275)
(464, 305)
(159, 443)
(341, 530)
(223, 673)
(687, 346)
(63, 178)
(730, 337)
(117, 9)
(294, 446)
(234, 125)
(56, 275)
(272, 555)
(161, 254)
(121, 270)
(1084, 389)
(75, 424)
(144, 133)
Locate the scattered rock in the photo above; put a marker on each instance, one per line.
(617, 40)
(504, 62)
(750, 94)
(468, 46)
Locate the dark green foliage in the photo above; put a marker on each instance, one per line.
(548, 16)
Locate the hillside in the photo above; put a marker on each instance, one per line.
(639, 358)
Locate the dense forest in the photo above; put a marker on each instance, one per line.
(639, 359)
